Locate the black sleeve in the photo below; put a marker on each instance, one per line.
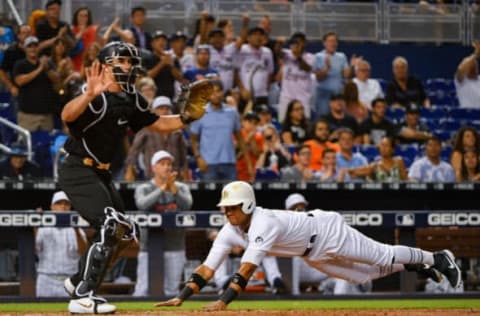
(91, 113)
(390, 95)
(8, 61)
(41, 31)
(19, 68)
(364, 128)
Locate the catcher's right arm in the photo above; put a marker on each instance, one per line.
(193, 99)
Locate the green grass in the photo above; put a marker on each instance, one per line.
(273, 305)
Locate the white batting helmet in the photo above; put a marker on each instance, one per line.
(238, 193)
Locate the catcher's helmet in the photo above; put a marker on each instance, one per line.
(109, 55)
(236, 193)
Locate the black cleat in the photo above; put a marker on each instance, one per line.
(444, 262)
(424, 271)
(279, 286)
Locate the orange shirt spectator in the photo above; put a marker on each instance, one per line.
(254, 144)
(319, 143)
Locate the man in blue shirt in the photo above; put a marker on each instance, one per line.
(212, 142)
(202, 68)
(345, 157)
(430, 168)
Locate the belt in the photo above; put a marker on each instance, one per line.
(92, 163)
(310, 241)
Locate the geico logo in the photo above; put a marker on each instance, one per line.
(216, 220)
(363, 219)
(147, 220)
(26, 220)
(461, 219)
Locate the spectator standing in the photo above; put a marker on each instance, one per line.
(368, 89)
(147, 142)
(254, 143)
(376, 125)
(295, 126)
(412, 130)
(35, 76)
(211, 138)
(255, 64)
(319, 142)
(14, 53)
(17, 167)
(404, 89)
(84, 31)
(58, 250)
(160, 195)
(346, 158)
(300, 171)
(69, 81)
(467, 81)
(467, 139)
(337, 117)
(331, 68)
(143, 39)
(51, 28)
(295, 75)
(202, 68)
(178, 48)
(431, 168)
(162, 67)
(386, 169)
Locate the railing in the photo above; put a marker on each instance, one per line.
(25, 134)
(382, 21)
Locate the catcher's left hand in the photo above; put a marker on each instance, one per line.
(193, 99)
(215, 306)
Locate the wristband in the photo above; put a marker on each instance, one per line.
(229, 295)
(185, 293)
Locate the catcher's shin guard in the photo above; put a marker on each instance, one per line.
(116, 228)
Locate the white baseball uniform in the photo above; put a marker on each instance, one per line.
(296, 83)
(322, 238)
(57, 251)
(224, 62)
(255, 66)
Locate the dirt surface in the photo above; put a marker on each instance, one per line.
(325, 312)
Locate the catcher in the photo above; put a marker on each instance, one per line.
(98, 120)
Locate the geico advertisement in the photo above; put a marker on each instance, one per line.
(454, 219)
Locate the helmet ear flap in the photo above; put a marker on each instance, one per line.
(248, 207)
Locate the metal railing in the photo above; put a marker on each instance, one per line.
(382, 21)
(23, 132)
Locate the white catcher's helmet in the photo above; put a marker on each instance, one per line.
(236, 193)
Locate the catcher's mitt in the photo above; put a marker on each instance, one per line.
(192, 100)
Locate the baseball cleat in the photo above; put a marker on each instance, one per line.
(444, 262)
(279, 286)
(90, 305)
(424, 271)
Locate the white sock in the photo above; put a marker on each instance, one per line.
(404, 254)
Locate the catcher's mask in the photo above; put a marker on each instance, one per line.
(111, 54)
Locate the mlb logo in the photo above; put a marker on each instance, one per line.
(78, 221)
(405, 219)
(185, 220)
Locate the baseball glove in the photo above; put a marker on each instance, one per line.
(192, 100)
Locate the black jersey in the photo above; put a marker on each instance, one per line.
(101, 128)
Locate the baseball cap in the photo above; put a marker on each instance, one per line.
(158, 34)
(294, 199)
(59, 196)
(159, 155)
(18, 150)
(216, 31)
(263, 108)
(412, 108)
(177, 35)
(256, 29)
(30, 40)
(203, 47)
(161, 101)
(250, 115)
(298, 35)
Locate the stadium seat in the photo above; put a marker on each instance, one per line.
(436, 113)
(465, 114)
(446, 153)
(370, 152)
(439, 84)
(383, 84)
(450, 125)
(395, 113)
(407, 152)
(444, 135)
(266, 175)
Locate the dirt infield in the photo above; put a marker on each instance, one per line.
(324, 312)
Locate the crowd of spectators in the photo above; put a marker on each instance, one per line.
(277, 111)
